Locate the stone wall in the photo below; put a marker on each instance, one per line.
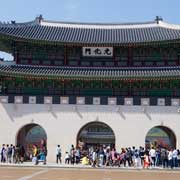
(62, 123)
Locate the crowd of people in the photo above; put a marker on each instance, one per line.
(127, 157)
(12, 154)
(99, 156)
(19, 154)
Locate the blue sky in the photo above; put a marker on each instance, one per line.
(90, 10)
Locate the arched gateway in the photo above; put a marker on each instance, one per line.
(161, 136)
(31, 134)
(95, 134)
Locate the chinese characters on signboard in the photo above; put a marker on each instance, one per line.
(98, 51)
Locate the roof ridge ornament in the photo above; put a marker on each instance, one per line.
(39, 19)
(158, 18)
(13, 22)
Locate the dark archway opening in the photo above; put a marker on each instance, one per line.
(160, 136)
(28, 136)
(95, 134)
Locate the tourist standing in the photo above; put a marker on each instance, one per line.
(22, 154)
(3, 159)
(146, 160)
(77, 155)
(158, 157)
(178, 157)
(152, 154)
(170, 158)
(101, 157)
(175, 155)
(67, 158)
(72, 154)
(128, 157)
(13, 154)
(107, 157)
(141, 154)
(94, 158)
(17, 154)
(58, 154)
(137, 160)
(164, 157)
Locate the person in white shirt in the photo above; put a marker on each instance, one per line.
(152, 154)
(67, 158)
(175, 155)
(170, 158)
(58, 154)
(94, 158)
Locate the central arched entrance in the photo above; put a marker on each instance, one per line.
(29, 135)
(95, 134)
(160, 136)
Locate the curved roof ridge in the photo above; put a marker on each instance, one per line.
(89, 33)
(98, 25)
(169, 26)
(148, 24)
(91, 25)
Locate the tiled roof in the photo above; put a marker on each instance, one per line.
(92, 33)
(96, 73)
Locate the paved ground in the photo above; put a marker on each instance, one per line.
(38, 173)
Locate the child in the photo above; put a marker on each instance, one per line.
(67, 158)
(146, 160)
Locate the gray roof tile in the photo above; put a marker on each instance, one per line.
(93, 33)
(103, 73)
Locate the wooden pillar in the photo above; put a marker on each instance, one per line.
(65, 55)
(114, 57)
(62, 82)
(130, 63)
